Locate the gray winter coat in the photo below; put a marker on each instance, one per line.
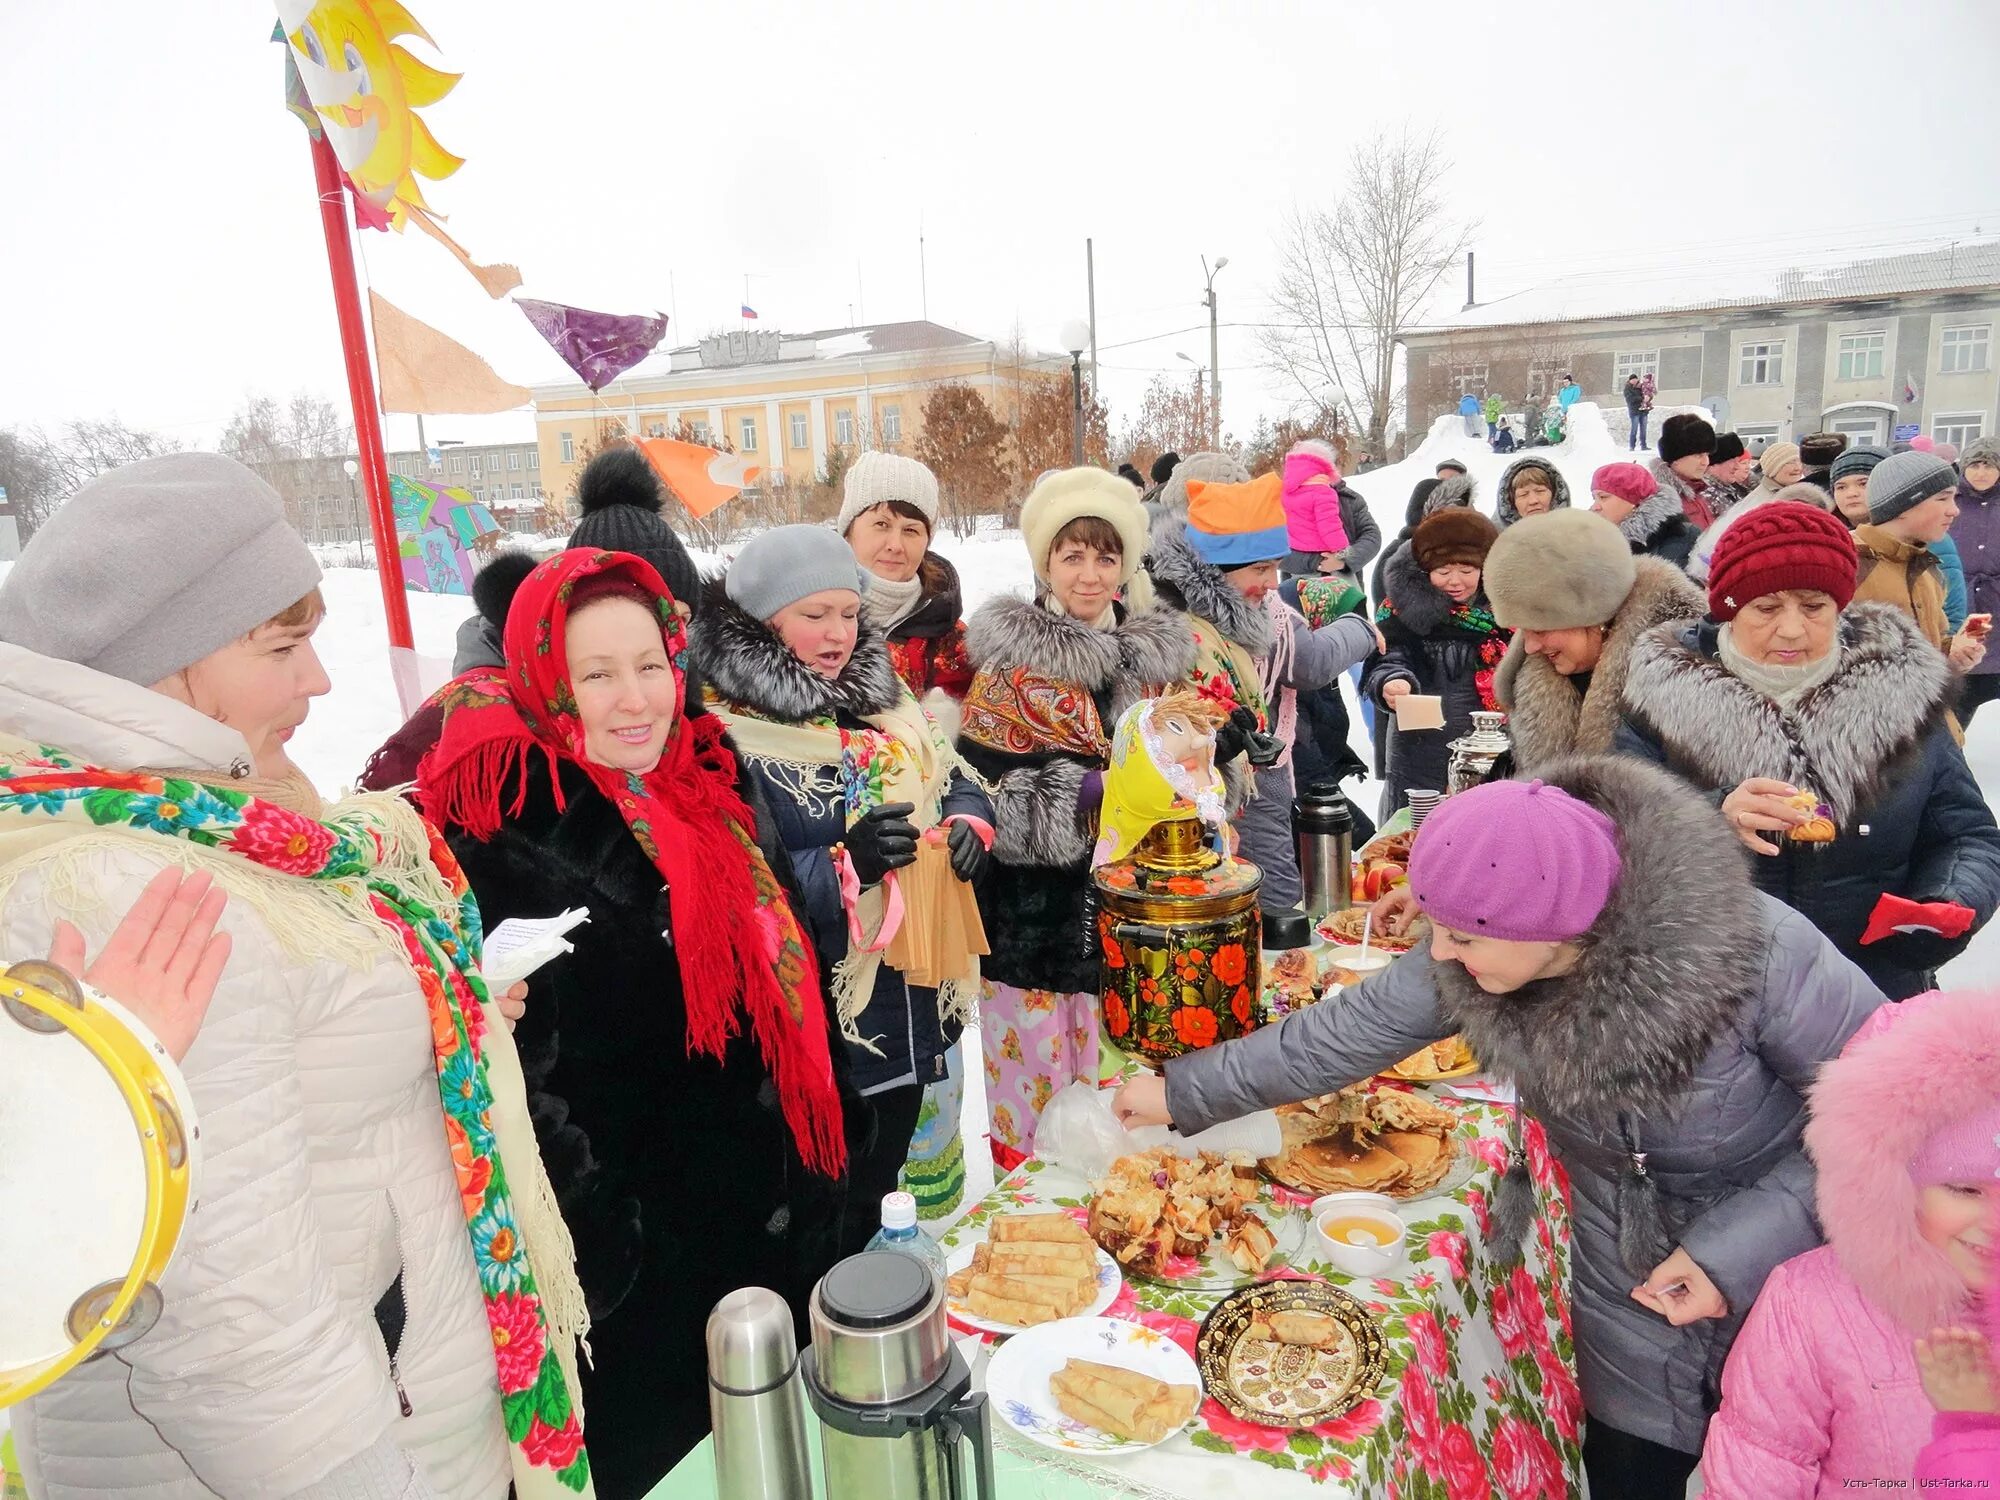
(1689, 1031)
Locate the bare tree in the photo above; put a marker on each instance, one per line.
(40, 471)
(1351, 277)
(1174, 416)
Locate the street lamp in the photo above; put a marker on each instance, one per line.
(1214, 364)
(1076, 339)
(1200, 374)
(351, 468)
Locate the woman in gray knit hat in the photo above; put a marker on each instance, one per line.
(857, 777)
(156, 656)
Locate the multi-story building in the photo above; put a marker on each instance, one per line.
(499, 475)
(324, 503)
(785, 399)
(1880, 349)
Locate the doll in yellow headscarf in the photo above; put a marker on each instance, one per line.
(1162, 766)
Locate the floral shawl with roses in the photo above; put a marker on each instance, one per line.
(364, 853)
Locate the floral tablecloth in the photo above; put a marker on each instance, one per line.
(1479, 1394)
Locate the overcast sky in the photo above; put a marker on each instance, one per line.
(160, 248)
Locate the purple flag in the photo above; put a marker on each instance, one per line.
(598, 346)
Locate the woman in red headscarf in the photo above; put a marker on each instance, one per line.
(681, 1058)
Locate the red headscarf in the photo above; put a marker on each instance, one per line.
(687, 816)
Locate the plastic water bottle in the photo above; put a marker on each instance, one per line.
(899, 1233)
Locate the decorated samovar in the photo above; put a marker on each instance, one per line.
(1473, 755)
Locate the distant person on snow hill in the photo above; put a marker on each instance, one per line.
(1503, 439)
(1635, 414)
(1570, 394)
(1651, 387)
(1469, 409)
(1494, 406)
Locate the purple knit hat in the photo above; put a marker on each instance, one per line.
(1518, 860)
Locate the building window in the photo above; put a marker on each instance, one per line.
(514, 491)
(534, 458)
(1757, 436)
(458, 463)
(1761, 364)
(843, 428)
(1963, 349)
(1959, 427)
(1640, 362)
(892, 424)
(1861, 356)
(514, 458)
(801, 438)
(1860, 432)
(1468, 380)
(656, 429)
(746, 434)
(700, 431)
(568, 449)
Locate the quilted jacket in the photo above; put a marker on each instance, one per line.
(325, 1171)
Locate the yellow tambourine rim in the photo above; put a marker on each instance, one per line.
(147, 1096)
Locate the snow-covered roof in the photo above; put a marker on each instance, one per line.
(1613, 294)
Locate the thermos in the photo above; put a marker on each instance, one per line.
(753, 1399)
(1323, 827)
(893, 1397)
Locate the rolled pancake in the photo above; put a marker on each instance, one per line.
(1019, 1312)
(1068, 1293)
(1036, 1259)
(1134, 1405)
(1014, 1229)
(1307, 1330)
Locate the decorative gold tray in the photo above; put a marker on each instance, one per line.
(1280, 1385)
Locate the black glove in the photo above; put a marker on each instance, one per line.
(1263, 750)
(883, 840)
(1233, 738)
(1925, 952)
(969, 858)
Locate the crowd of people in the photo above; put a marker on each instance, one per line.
(822, 821)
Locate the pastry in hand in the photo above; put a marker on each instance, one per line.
(1818, 827)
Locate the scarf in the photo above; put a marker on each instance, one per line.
(738, 944)
(889, 603)
(1784, 686)
(1274, 674)
(1474, 619)
(899, 756)
(374, 860)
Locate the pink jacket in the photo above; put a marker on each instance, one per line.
(1964, 1446)
(1312, 503)
(1821, 1386)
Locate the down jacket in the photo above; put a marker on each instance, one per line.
(1976, 533)
(1550, 715)
(1046, 693)
(1689, 1031)
(325, 1172)
(1873, 741)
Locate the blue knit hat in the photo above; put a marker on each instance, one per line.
(1234, 525)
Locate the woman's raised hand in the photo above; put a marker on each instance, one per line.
(165, 958)
(1758, 805)
(1142, 1102)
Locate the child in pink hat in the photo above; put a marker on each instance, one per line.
(1824, 1387)
(1313, 523)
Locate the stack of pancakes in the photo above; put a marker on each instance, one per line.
(1363, 1140)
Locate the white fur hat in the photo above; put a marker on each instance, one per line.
(1069, 494)
(876, 478)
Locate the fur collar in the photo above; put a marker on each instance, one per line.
(1671, 961)
(1547, 716)
(1892, 688)
(1662, 510)
(1188, 584)
(743, 660)
(1145, 647)
(1421, 606)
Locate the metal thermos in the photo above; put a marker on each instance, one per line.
(753, 1399)
(893, 1397)
(1323, 826)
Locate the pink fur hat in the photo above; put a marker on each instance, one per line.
(1889, 1116)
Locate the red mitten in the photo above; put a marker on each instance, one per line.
(1893, 914)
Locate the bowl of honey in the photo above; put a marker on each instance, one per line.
(1361, 1233)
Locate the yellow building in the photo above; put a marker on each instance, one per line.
(788, 399)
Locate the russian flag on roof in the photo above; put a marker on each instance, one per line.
(749, 311)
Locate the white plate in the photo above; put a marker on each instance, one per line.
(1017, 1381)
(1108, 1282)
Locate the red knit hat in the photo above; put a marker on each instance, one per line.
(1628, 482)
(1785, 544)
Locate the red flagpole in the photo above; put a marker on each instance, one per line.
(361, 392)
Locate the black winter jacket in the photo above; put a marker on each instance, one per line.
(1873, 742)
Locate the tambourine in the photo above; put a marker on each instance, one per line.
(100, 1161)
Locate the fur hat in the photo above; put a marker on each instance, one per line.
(877, 478)
(1420, 494)
(1070, 494)
(1904, 480)
(1453, 535)
(1559, 571)
(1808, 492)
(1984, 450)
(1131, 476)
(1912, 1073)
(1821, 449)
(1164, 466)
(1728, 446)
(620, 496)
(494, 586)
(1233, 525)
(1632, 483)
(1783, 544)
(1452, 490)
(1684, 434)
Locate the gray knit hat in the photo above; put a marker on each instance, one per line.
(150, 567)
(1861, 460)
(1984, 450)
(786, 564)
(1903, 480)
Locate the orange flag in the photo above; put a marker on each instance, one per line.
(703, 477)
(424, 371)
